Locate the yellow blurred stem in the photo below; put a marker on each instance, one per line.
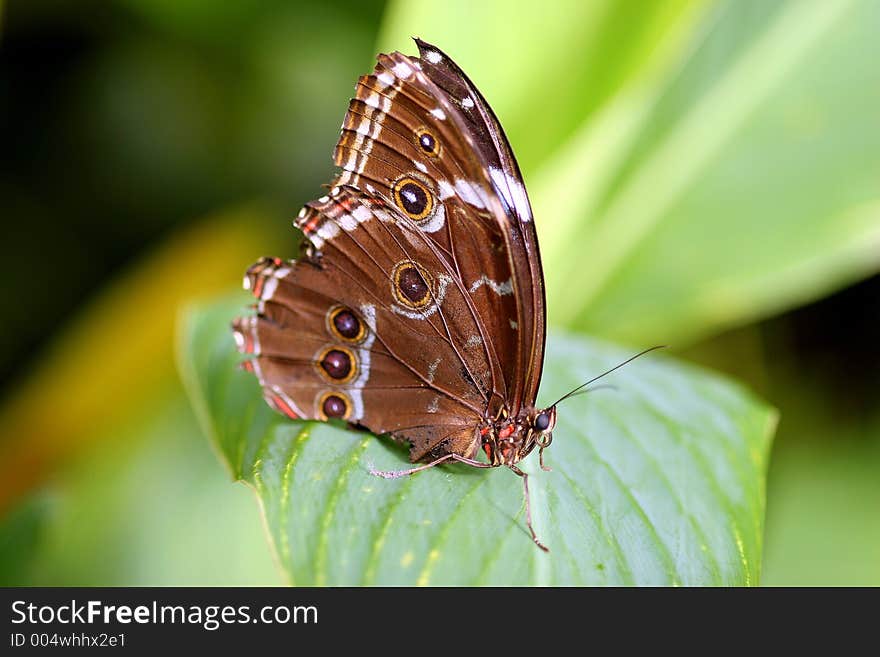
(119, 348)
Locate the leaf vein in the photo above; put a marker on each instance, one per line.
(330, 510)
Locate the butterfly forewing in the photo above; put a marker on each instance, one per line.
(497, 159)
(472, 168)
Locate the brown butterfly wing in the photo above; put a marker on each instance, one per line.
(489, 230)
(405, 368)
(516, 221)
(418, 248)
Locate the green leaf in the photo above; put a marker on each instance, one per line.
(660, 481)
(825, 497)
(21, 531)
(693, 166)
(141, 511)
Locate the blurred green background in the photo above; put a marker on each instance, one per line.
(704, 174)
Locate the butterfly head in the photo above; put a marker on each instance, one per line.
(509, 440)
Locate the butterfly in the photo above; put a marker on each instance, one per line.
(417, 307)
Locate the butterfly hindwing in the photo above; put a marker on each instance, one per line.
(396, 364)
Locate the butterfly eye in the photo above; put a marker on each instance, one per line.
(413, 197)
(334, 405)
(338, 364)
(542, 421)
(411, 284)
(428, 142)
(345, 325)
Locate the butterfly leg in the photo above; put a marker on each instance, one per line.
(394, 474)
(541, 461)
(528, 507)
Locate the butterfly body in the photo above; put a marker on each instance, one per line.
(417, 308)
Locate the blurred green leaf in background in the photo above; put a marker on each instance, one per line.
(704, 174)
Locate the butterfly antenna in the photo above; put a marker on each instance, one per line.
(581, 387)
(604, 386)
